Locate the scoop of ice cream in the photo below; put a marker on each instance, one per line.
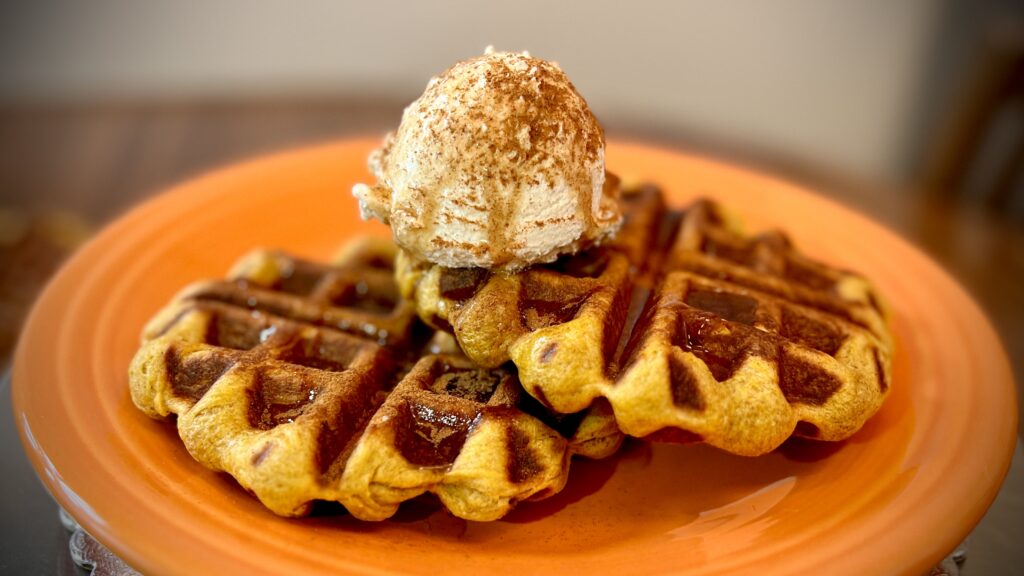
(499, 164)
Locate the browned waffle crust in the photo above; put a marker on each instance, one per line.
(310, 382)
(689, 328)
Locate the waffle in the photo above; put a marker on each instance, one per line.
(690, 329)
(357, 296)
(308, 382)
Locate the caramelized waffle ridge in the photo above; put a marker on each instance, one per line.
(310, 382)
(459, 429)
(689, 328)
(357, 296)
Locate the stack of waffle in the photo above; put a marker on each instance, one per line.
(309, 382)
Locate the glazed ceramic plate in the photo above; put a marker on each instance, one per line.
(894, 498)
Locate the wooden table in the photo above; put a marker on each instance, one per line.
(91, 162)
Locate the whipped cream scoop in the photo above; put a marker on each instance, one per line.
(499, 164)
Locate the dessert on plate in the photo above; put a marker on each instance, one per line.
(531, 308)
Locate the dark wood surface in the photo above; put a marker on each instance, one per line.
(67, 169)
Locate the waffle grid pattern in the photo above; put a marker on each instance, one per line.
(689, 330)
(308, 382)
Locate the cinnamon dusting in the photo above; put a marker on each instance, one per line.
(499, 164)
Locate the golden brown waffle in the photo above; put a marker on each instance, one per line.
(459, 429)
(357, 296)
(709, 243)
(308, 382)
(690, 329)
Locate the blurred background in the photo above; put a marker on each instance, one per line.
(912, 111)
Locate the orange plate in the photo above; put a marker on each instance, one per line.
(893, 499)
